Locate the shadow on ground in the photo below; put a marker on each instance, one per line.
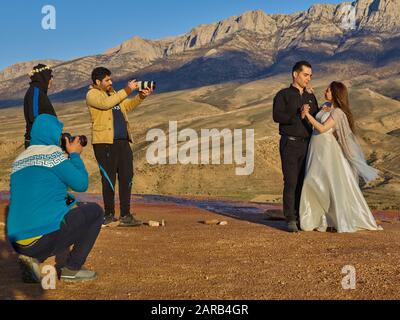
(260, 213)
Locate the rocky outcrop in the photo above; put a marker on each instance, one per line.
(324, 22)
(365, 32)
(378, 15)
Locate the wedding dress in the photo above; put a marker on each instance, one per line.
(331, 196)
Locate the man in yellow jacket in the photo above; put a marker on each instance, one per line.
(111, 136)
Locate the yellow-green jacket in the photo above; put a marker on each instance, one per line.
(100, 106)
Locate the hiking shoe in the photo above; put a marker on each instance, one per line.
(109, 218)
(292, 227)
(129, 221)
(77, 275)
(30, 268)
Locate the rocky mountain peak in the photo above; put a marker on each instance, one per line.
(319, 20)
(350, 34)
(378, 15)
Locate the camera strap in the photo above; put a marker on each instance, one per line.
(104, 172)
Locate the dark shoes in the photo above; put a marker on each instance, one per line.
(30, 269)
(77, 275)
(109, 218)
(129, 221)
(125, 221)
(293, 227)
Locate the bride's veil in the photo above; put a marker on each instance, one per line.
(351, 148)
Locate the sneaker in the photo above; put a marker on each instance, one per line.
(77, 275)
(30, 268)
(129, 221)
(109, 218)
(292, 227)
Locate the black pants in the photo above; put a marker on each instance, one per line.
(293, 156)
(80, 228)
(116, 159)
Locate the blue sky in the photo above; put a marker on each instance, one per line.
(89, 27)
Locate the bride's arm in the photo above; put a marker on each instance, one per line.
(322, 128)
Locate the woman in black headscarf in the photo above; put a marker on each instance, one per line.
(36, 101)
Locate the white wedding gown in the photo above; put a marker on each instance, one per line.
(331, 196)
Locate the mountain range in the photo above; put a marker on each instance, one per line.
(349, 38)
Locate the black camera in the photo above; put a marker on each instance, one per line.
(82, 140)
(146, 84)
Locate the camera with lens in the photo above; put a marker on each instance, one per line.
(146, 84)
(82, 140)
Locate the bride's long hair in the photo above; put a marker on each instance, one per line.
(340, 97)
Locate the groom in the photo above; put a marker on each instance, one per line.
(290, 106)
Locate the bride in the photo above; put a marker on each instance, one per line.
(331, 196)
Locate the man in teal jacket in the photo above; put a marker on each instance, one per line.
(42, 220)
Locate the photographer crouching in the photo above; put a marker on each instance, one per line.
(42, 221)
(111, 137)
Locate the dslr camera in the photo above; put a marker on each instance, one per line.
(82, 140)
(146, 84)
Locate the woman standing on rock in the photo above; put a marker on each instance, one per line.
(331, 196)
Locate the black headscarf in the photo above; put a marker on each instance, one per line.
(41, 79)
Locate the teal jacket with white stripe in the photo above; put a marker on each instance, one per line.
(40, 179)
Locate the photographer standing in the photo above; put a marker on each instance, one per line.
(111, 137)
(42, 221)
(36, 101)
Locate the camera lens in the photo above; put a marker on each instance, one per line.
(146, 84)
(83, 140)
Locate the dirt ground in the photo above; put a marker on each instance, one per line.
(251, 258)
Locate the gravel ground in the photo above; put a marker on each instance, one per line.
(246, 259)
